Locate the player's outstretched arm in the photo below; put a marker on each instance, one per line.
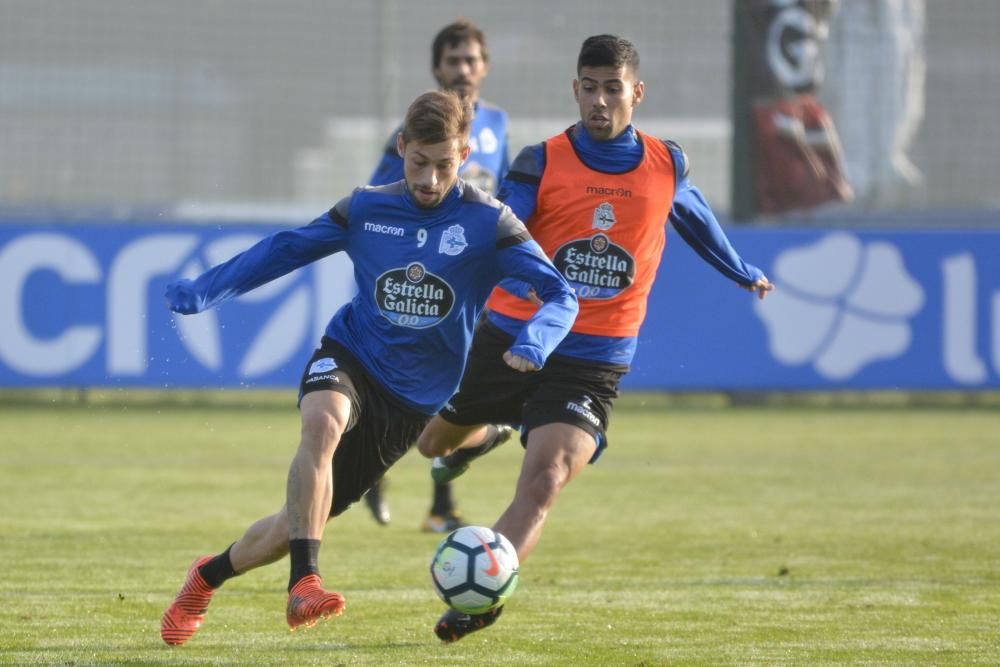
(762, 286)
(263, 262)
(695, 222)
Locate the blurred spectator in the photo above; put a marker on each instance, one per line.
(797, 161)
(875, 63)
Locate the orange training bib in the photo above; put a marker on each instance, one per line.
(604, 232)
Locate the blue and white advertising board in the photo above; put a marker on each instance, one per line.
(82, 305)
(899, 309)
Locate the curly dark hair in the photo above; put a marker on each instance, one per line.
(608, 51)
(453, 34)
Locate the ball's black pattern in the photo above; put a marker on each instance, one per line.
(469, 584)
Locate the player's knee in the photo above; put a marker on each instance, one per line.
(439, 438)
(435, 440)
(546, 483)
(321, 429)
(325, 417)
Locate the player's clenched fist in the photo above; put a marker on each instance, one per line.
(519, 363)
(181, 297)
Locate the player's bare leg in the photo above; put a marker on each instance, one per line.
(269, 539)
(325, 415)
(440, 437)
(264, 542)
(556, 453)
(460, 445)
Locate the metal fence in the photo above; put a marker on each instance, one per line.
(136, 102)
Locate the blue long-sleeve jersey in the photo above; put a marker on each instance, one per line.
(690, 215)
(423, 276)
(489, 158)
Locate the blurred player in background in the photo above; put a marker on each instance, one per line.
(426, 252)
(597, 199)
(459, 61)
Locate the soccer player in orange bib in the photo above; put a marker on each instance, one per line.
(596, 198)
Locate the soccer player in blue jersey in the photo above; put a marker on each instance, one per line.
(460, 62)
(597, 199)
(426, 252)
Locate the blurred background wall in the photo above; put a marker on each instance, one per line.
(131, 130)
(262, 102)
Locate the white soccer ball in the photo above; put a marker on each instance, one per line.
(474, 569)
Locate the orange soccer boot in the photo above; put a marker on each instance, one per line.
(187, 612)
(308, 603)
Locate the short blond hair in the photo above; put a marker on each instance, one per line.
(438, 116)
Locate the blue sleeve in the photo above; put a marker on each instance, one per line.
(504, 159)
(526, 262)
(521, 259)
(268, 259)
(694, 220)
(390, 167)
(519, 188)
(518, 288)
(389, 170)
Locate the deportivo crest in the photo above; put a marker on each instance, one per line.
(604, 217)
(452, 240)
(324, 365)
(596, 267)
(413, 297)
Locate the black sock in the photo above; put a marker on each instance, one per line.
(216, 571)
(305, 556)
(443, 504)
(494, 437)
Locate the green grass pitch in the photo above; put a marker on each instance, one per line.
(706, 536)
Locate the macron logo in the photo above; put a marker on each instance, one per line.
(384, 229)
(584, 412)
(842, 305)
(608, 192)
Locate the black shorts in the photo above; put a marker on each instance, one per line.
(380, 430)
(564, 391)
